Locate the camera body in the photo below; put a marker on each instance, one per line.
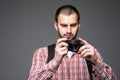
(74, 45)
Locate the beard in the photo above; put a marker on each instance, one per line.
(69, 36)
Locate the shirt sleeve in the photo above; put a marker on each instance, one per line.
(40, 70)
(103, 71)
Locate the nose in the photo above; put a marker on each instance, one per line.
(68, 29)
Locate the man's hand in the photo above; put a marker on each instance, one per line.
(87, 51)
(61, 49)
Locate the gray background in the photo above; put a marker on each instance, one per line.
(28, 25)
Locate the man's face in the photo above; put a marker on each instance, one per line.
(67, 26)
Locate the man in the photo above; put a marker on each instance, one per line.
(67, 65)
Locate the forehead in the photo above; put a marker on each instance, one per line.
(63, 18)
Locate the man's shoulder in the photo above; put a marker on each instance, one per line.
(43, 48)
(41, 51)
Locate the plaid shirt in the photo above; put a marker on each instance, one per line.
(70, 69)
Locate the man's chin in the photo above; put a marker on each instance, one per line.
(70, 38)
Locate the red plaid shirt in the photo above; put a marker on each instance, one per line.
(70, 69)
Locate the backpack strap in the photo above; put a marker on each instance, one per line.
(51, 50)
(89, 65)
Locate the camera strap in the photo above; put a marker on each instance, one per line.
(51, 49)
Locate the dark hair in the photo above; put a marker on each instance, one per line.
(67, 10)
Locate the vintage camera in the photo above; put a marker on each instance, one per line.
(74, 45)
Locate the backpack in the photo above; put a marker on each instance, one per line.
(51, 49)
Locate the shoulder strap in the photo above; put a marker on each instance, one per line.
(89, 65)
(51, 50)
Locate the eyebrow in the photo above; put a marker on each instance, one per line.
(63, 24)
(73, 24)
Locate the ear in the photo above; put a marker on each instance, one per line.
(56, 26)
(79, 25)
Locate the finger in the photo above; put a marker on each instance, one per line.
(85, 52)
(61, 40)
(64, 49)
(62, 44)
(64, 52)
(87, 56)
(83, 41)
(82, 48)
